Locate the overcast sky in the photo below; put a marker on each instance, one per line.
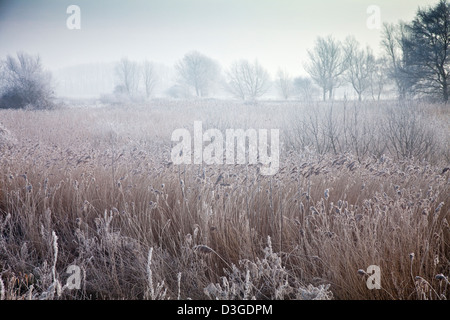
(276, 32)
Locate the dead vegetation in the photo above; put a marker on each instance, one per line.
(97, 190)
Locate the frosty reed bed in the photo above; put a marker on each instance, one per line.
(97, 190)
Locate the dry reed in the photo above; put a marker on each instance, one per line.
(91, 190)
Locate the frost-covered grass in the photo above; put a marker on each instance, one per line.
(359, 185)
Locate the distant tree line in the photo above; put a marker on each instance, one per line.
(415, 61)
(24, 83)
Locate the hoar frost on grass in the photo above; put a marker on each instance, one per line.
(265, 278)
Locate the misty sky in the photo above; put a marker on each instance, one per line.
(276, 32)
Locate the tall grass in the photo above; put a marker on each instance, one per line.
(95, 188)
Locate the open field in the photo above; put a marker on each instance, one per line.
(359, 184)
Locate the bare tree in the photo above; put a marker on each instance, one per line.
(305, 88)
(378, 78)
(198, 72)
(427, 50)
(236, 83)
(24, 82)
(150, 77)
(248, 80)
(360, 66)
(127, 73)
(284, 83)
(393, 42)
(327, 64)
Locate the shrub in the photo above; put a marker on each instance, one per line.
(24, 83)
